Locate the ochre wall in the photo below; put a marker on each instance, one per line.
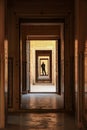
(42, 45)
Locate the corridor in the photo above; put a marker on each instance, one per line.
(49, 119)
(46, 116)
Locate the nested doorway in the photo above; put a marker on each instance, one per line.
(36, 53)
(43, 66)
(42, 51)
(35, 50)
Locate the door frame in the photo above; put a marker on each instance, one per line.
(50, 37)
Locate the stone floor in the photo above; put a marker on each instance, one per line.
(47, 120)
(42, 101)
(42, 121)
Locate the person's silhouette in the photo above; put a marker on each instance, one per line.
(43, 69)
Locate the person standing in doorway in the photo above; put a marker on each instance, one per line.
(43, 68)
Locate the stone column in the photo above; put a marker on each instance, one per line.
(2, 77)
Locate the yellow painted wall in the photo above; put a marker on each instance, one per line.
(42, 45)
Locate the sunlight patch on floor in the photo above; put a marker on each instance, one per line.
(43, 88)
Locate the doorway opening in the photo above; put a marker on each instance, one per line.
(37, 52)
(42, 51)
(35, 83)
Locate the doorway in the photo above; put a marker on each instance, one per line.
(33, 52)
(42, 51)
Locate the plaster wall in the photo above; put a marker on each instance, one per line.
(42, 45)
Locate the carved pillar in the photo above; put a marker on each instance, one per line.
(2, 76)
